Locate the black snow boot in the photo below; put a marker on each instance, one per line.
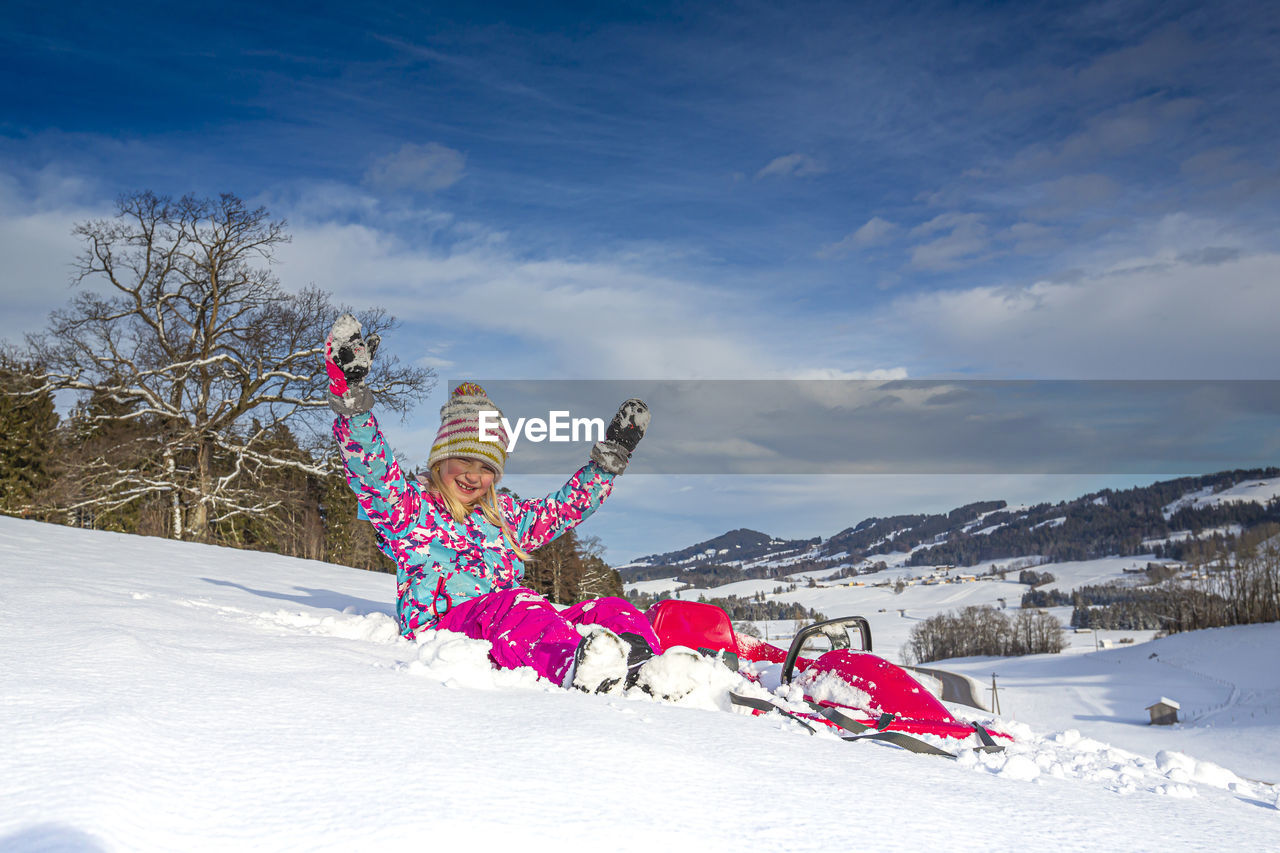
(600, 662)
(639, 653)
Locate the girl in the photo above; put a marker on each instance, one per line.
(460, 546)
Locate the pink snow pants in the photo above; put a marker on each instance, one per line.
(527, 630)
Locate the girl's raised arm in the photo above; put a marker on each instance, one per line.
(390, 500)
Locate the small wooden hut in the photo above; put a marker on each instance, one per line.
(1164, 712)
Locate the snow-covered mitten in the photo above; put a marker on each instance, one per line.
(621, 437)
(347, 359)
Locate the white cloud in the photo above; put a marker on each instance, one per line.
(882, 375)
(608, 317)
(424, 168)
(469, 302)
(39, 251)
(1164, 315)
(874, 232)
(964, 239)
(791, 166)
(559, 317)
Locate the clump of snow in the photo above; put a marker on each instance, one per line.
(1068, 754)
(828, 687)
(683, 676)
(457, 661)
(1020, 768)
(1183, 768)
(370, 627)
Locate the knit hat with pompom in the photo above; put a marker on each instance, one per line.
(459, 435)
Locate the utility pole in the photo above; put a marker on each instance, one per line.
(995, 695)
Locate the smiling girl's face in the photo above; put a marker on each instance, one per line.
(468, 480)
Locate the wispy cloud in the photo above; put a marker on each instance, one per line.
(1129, 128)
(419, 168)
(791, 166)
(1121, 72)
(1069, 195)
(874, 232)
(962, 239)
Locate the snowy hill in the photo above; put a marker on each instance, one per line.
(1166, 514)
(926, 593)
(169, 696)
(1225, 679)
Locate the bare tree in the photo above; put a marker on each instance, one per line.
(598, 579)
(192, 358)
(983, 631)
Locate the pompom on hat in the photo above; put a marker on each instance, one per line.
(459, 434)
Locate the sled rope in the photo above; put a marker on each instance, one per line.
(899, 739)
(988, 743)
(846, 722)
(762, 705)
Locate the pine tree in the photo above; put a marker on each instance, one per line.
(28, 428)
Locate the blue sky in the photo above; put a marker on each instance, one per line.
(708, 190)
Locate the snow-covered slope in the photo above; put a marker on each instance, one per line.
(1225, 679)
(1250, 491)
(165, 696)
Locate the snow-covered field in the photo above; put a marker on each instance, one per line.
(166, 696)
(1225, 679)
(892, 615)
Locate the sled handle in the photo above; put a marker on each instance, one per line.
(834, 630)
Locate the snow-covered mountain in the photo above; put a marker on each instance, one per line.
(1164, 516)
(157, 695)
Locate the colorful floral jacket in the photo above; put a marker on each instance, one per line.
(441, 563)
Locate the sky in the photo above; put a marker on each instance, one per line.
(696, 191)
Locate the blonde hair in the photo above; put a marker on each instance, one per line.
(488, 506)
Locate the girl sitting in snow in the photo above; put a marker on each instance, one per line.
(460, 546)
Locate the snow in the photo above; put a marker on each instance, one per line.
(742, 589)
(1249, 491)
(1225, 680)
(880, 605)
(1206, 533)
(170, 696)
(921, 600)
(1077, 573)
(655, 587)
